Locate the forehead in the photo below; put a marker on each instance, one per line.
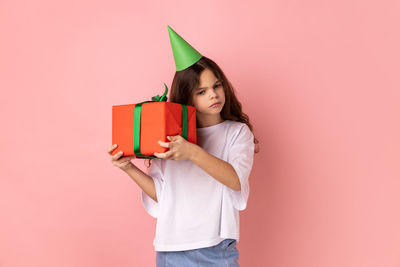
(207, 79)
(207, 76)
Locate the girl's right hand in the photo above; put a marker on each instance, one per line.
(124, 163)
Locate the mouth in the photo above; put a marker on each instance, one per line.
(215, 105)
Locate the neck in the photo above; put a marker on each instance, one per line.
(205, 121)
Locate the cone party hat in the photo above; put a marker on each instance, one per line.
(184, 54)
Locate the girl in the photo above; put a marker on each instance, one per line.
(197, 191)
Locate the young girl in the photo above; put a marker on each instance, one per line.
(197, 191)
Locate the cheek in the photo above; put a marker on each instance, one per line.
(196, 102)
(200, 103)
(222, 94)
(192, 101)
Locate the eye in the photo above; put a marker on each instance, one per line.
(217, 85)
(200, 93)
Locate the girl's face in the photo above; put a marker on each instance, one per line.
(209, 92)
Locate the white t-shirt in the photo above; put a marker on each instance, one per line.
(194, 210)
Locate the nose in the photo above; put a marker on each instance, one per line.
(213, 94)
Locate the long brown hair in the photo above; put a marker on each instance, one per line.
(187, 80)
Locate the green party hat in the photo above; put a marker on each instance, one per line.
(184, 54)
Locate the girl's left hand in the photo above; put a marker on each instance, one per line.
(179, 148)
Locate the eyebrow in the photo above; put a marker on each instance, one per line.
(206, 87)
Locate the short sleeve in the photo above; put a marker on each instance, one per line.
(240, 156)
(156, 172)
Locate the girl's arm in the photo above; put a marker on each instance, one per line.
(144, 181)
(217, 168)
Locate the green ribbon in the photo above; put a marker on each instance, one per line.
(137, 119)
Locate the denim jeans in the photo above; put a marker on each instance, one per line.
(224, 254)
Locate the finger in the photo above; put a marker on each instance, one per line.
(159, 155)
(164, 144)
(173, 138)
(128, 157)
(167, 155)
(170, 155)
(112, 148)
(164, 155)
(118, 155)
(125, 159)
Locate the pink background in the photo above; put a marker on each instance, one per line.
(319, 80)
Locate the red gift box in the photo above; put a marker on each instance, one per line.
(137, 128)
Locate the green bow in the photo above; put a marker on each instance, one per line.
(137, 117)
(162, 98)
